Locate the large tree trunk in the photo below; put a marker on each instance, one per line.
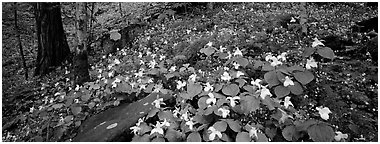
(19, 43)
(52, 44)
(81, 65)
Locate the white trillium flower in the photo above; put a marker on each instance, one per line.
(282, 56)
(340, 136)
(117, 61)
(142, 62)
(185, 116)
(225, 112)
(311, 63)
(193, 77)
(152, 63)
(288, 81)
(190, 123)
(208, 87)
(117, 80)
(143, 86)
(209, 44)
(180, 84)
(287, 102)
(264, 92)
(239, 73)
(212, 99)
(275, 62)
(236, 65)
(268, 57)
(238, 52)
(316, 42)
(229, 55)
(324, 112)
(221, 49)
(253, 132)
(157, 128)
(213, 132)
(157, 103)
(165, 123)
(256, 83)
(139, 74)
(226, 76)
(233, 100)
(135, 129)
(172, 69)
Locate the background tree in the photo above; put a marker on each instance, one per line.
(81, 65)
(52, 44)
(19, 42)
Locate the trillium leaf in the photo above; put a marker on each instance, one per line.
(194, 137)
(243, 137)
(194, 89)
(114, 35)
(271, 78)
(321, 133)
(296, 88)
(309, 51)
(168, 115)
(326, 52)
(267, 67)
(220, 126)
(231, 89)
(249, 104)
(208, 51)
(57, 106)
(202, 103)
(289, 133)
(76, 109)
(261, 137)
(281, 91)
(304, 77)
(152, 113)
(172, 135)
(234, 125)
(242, 61)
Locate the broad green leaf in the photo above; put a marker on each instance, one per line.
(220, 126)
(234, 125)
(271, 78)
(208, 51)
(152, 113)
(158, 139)
(242, 61)
(261, 137)
(281, 91)
(309, 51)
(114, 35)
(289, 133)
(194, 137)
(303, 126)
(172, 135)
(250, 88)
(194, 89)
(85, 97)
(296, 88)
(243, 137)
(145, 128)
(280, 76)
(321, 133)
(231, 89)
(267, 67)
(57, 106)
(326, 52)
(202, 102)
(68, 118)
(296, 68)
(144, 138)
(76, 109)
(304, 77)
(241, 82)
(168, 115)
(185, 95)
(249, 104)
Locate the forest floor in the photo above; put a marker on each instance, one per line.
(51, 109)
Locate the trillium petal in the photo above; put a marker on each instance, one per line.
(288, 81)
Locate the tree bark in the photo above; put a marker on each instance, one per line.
(52, 44)
(81, 65)
(19, 42)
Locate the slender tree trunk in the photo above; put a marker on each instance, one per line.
(52, 44)
(90, 37)
(19, 43)
(121, 12)
(81, 65)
